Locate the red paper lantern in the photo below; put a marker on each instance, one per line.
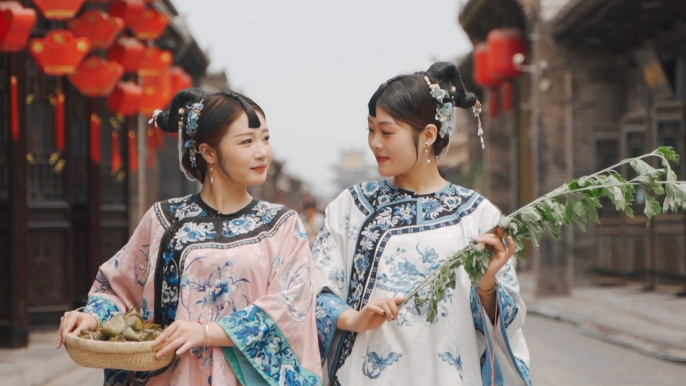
(180, 79)
(16, 23)
(151, 24)
(157, 92)
(97, 26)
(128, 52)
(129, 10)
(59, 53)
(155, 61)
(125, 99)
(97, 77)
(59, 9)
(482, 69)
(503, 44)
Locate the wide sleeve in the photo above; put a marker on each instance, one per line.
(120, 281)
(511, 362)
(276, 337)
(333, 271)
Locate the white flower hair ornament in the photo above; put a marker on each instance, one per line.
(446, 111)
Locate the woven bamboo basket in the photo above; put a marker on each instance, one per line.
(134, 356)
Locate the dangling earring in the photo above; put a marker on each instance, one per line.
(426, 152)
(211, 178)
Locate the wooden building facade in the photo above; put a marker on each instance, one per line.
(64, 212)
(607, 81)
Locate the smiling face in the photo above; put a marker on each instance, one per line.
(244, 153)
(394, 144)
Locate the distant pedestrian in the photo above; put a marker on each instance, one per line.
(313, 220)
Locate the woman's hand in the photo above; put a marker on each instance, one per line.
(501, 255)
(180, 336)
(371, 316)
(75, 322)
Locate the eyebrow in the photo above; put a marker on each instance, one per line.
(250, 133)
(382, 122)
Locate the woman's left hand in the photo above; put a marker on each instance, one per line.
(501, 255)
(180, 336)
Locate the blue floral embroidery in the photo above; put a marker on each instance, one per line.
(191, 232)
(186, 210)
(264, 345)
(376, 362)
(508, 307)
(453, 358)
(239, 226)
(321, 249)
(218, 289)
(370, 187)
(142, 271)
(115, 259)
(146, 312)
(508, 276)
(475, 305)
(101, 307)
(337, 276)
(523, 370)
(406, 213)
(103, 284)
(402, 276)
(329, 308)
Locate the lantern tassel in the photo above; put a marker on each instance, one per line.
(60, 138)
(96, 155)
(14, 90)
(116, 152)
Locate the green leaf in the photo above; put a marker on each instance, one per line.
(640, 166)
(669, 153)
(652, 207)
(504, 222)
(530, 215)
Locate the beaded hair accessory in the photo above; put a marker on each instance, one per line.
(445, 111)
(189, 120)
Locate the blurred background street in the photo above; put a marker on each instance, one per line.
(568, 87)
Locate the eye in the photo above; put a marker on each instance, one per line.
(386, 133)
(369, 129)
(246, 142)
(266, 139)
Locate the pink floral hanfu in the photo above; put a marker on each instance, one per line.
(250, 272)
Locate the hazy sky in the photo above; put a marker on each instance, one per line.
(313, 65)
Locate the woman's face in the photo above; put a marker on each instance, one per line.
(392, 143)
(245, 153)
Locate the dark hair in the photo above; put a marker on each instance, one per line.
(407, 98)
(219, 112)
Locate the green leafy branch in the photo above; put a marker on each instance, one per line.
(576, 202)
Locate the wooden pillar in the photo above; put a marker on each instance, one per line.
(94, 190)
(17, 335)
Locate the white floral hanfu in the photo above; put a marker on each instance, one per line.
(382, 241)
(250, 272)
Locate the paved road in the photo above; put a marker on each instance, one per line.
(561, 356)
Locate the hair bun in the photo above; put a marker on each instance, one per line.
(168, 121)
(448, 75)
